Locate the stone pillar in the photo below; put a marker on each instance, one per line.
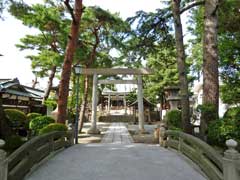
(3, 162)
(140, 105)
(231, 161)
(109, 104)
(125, 104)
(93, 129)
(162, 135)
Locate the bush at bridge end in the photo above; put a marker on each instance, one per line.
(174, 120)
(53, 127)
(225, 128)
(40, 122)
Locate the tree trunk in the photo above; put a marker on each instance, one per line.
(84, 103)
(181, 65)
(67, 64)
(50, 83)
(210, 63)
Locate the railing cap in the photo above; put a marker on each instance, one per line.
(231, 144)
(2, 143)
(2, 152)
(231, 153)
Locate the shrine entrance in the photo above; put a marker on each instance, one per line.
(116, 71)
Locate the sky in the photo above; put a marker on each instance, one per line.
(13, 62)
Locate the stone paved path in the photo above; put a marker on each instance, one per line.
(118, 134)
(116, 161)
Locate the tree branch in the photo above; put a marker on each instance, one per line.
(187, 7)
(191, 5)
(70, 9)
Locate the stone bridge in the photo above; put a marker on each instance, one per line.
(117, 158)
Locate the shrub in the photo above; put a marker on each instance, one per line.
(51, 103)
(31, 116)
(174, 120)
(16, 117)
(223, 129)
(53, 127)
(233, 113)
(40, 122)
(214, 132)
(208, 111)
(12, 143)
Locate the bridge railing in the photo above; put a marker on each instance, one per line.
(21, 161)
(213, 164)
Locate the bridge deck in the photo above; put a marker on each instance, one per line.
(116, 159)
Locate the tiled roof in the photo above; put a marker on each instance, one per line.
(14, 87)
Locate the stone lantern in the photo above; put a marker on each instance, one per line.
(55, 111)
(173, 97)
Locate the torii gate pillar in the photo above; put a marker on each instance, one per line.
(140, 105)
(93, 129)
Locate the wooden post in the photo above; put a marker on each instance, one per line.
(3, 162)
(231, 161)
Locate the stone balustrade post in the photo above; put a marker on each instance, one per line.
(3, 162)
(231, 161)
(71, 138)
(162, 135)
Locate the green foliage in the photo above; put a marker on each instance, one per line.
(233, 113)
(226, 128)
(223, 129)
(32, 115)
(40, 122)
(131, 97)
(102, 32)
(151, 33)
(230, 93)
(51, 41)
(173, 119)
(50, 103)
(53, 127)
(16, 117)
(209, 111)
(162, 77)
(12, 143)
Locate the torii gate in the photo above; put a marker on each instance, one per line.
(115, 71)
